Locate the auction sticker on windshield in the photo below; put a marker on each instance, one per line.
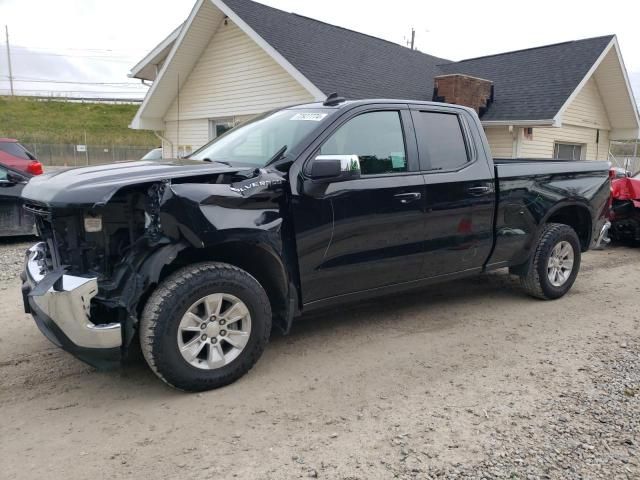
(309, 117)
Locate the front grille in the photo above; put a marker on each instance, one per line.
(36, 209)
(44, 224)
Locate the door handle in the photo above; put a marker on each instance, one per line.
(406, 198)
(478, 191)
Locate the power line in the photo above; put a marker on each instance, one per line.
(77, 91)
(50, 80)
(91, 57)
(75, 98)
(107, 50)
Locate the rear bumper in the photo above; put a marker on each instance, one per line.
(60, 306)
(603, 237)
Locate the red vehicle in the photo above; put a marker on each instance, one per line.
(625, 207)
(14, 155)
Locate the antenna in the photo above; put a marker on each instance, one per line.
(333, 100)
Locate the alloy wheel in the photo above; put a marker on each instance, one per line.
(214, 331)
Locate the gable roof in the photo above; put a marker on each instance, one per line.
(336, 59)
(532, 86)
(535, 83)
(147, 68)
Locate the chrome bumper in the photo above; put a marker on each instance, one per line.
(603, 237)
(64, 301)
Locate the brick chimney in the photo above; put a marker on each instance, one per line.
(459, 89)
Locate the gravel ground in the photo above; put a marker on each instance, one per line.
(590, 429)
(12, 258)
(466, 380)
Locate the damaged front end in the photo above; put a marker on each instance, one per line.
(105, 249)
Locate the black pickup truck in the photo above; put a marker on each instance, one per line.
(301, 208)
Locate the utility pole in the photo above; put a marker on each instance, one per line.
(413, 39)
(6, 31)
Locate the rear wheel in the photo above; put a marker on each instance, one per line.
(555, 263)
(205, 326)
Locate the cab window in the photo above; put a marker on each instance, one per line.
(376, 138)
(441, 143)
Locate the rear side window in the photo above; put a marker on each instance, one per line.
(376, 138)
(3, 174)
(16, 150)
(440, 141)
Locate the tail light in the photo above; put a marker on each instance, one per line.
(35, 168)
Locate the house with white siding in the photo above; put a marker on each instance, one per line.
(234, 59)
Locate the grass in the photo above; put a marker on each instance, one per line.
(33, 120)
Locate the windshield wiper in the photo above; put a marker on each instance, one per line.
(278, 155)
(216, 161)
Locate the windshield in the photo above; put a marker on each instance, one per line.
(155, 154)
(256, 142)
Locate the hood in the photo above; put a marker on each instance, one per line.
(96, 185)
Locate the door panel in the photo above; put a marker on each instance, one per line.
(459, 220)
(368, 232)
(377, 237)
(460, 197)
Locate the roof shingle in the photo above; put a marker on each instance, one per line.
(533, 84)
(336, 59)
(530, 84)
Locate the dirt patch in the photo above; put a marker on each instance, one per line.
(469, 379)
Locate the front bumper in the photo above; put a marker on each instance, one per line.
(60, 305)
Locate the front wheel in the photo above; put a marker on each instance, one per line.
(205, 326)
(555, 263)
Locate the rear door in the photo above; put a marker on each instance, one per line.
(460, 197)
(368, 232)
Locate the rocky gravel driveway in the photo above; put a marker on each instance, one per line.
(12, 258)
(466, 380)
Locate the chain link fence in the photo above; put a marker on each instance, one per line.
(631, 164)
(625, 155)
(68, 155)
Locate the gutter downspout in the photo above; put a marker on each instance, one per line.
(516, 140)
(163, 140)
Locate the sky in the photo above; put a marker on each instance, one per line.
(95, 42)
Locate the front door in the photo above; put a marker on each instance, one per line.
(368, 232)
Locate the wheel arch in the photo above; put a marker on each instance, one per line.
(260, 261)
(575, 215)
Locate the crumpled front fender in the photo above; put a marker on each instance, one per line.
(204, 214)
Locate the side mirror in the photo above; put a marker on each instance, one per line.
(11, 179)
(335, 168)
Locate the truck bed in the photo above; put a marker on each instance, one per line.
(529, 192)
(517, 167)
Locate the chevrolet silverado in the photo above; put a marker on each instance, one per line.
(301, 208)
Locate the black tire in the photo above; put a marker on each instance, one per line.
(535, 280)
(171, 300)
